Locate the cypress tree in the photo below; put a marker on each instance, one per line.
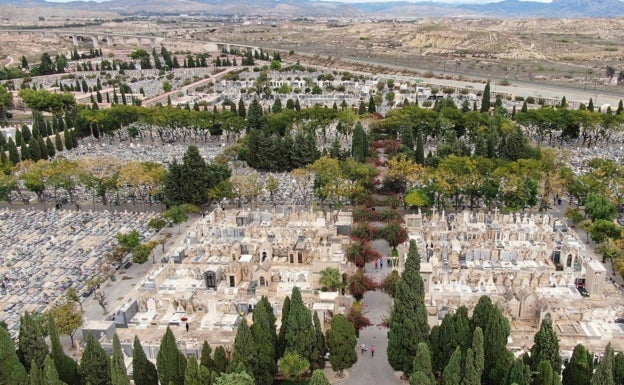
(277, 105)
(24, 153)
(42, 148)
(241, 108)
(19, 139)
(620, 107)
(26, 134)
(454, 331)
(497, 357)
(11, 370)
(170, 361)
(50, 148)
(318, 378)
(297, 105)
(452, 371)
(290, 104)
(95, 364)
(67, 140)
(564, 103)
(590, 106)
(245, 350)
(58, 143)
(482, 312)
(265, 337)
(407, 137)
(420, 148)
(408, 318)
(13, 154)
(281, 338)
(371, 105)
(74, 138)
(36, 375)
(341, 342)
(144, 372)
(66, 367)
(118, 367)
(32, 346)
(358, 143)
(50, 375)
(206, 358)
(579, 369)
(35, 154)
(422, 371)
(485, 100)
(474, 362)
(321, 345)
(362, 108)
(604, 371)
(618, 368)
(196, 374)
(546, 348)
(300, 335)
(544, 374)
(518, 373)
(220, 360)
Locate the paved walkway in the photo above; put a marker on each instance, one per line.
(376, 305)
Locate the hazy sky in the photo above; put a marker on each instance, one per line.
(370, 1)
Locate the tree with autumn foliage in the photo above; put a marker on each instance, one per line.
(394, 233)
(357, 318)
(359, 283)
(361, 252)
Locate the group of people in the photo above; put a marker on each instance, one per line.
(364, 349)
(379, 263)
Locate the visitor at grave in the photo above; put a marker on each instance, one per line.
(381, 263)
(187, 326)
(376, 264)
(372, 350)
(363, 348)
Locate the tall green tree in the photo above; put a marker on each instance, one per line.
(14, 156)
(220, 359)
(50, 375)
(241, 108)
(341, 342)
(518, 373)
(265, 336)
(618, 368)
(66, 367)
(546, 348)
(281, 338)
(118, 367)
(497, 357)
(318, 378)
(359, 143)
(452, 371)
(422, 371)
(474, 361)
(420, 148)
(31, 346)
(300, 335)
(372, 108)
(321, 345)
(11, 370)
(246, 350)
(95, 363)
(482, 312)
(579, 369)
(604, 371)
(196, 374)
(454, 331)
(36, 375)
(190, 182)
(544, 375)
(143, 370)
(485, 100)
(170, 361)
(408, 318)
(206, 357)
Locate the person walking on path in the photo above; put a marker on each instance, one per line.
(372, 350)
(363, 347)
(381, 263)
(376, 264)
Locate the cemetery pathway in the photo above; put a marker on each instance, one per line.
(375, 370)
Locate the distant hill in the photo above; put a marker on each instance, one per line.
(302, 8)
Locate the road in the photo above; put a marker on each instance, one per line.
(375, 370)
